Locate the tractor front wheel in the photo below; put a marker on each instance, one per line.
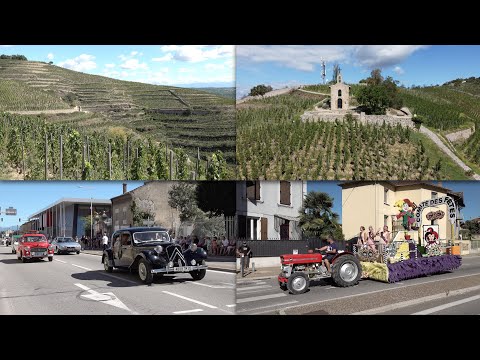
(298, 283)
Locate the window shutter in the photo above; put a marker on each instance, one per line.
(250, 190)
(264, 228)
(285, 192)
(257, 190)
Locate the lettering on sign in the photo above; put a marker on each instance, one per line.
(445, 200)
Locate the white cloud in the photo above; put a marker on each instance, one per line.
(124, 74)
(214, 67)
(80, 63)
(167, 57)
(7, 46)
(133, 53)
(50, 56)
(398, 70)
(305, 58)
(384, 55)
(109, 66)
(197, 53)
(184, 70)
(133, 64)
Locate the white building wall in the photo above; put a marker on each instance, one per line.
(269, 204)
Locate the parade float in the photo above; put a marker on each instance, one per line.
(417, 250)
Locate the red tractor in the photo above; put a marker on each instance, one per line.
(299, 269)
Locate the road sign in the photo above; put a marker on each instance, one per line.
(10, 211)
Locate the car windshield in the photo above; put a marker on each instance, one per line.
(65, 239)
(34, 238)
(147, 236)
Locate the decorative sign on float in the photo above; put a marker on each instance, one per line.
(445, 200)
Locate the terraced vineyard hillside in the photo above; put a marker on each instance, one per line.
(182, 118)
(447, 109)
(273, 143)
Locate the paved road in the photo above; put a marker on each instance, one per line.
(77, 284)
(263, 296)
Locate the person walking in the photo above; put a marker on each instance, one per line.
(105, 240)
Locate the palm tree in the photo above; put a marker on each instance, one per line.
(317, 218)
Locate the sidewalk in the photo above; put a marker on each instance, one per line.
(220, 263)
(260, 273)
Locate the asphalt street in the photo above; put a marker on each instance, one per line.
(456, 292)
(77, 284)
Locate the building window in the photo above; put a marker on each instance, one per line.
(385, 196)
(124, 209)
(253, 190)
(339, 92)
(116, 222)
(434, 195)
(339, 104)
(285, 192)
(251, 228)
(117, 210)
(385, 220)
(285, 230)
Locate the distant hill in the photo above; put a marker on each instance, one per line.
(227, 92)
(189, 118)
(470, 85)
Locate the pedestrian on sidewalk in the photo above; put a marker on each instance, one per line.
(245, 250)
(105, 241)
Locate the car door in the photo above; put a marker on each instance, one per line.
(117, 248)
(126, 248)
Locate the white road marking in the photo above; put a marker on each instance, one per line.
(82, 253)
(108, 298)
(258, 282)
(221, 272)
(83, 287)
(268, 306)
(187, 311)
(257, 298)
(214, 286)
(232, 305)
(417, 301)
(82, 267)
(254, 287)
(188, 299)
(119, 278)
(382, 290)
(446, 306)
(228, 283)
(64, 262)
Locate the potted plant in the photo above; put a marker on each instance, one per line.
(407, 236)
(455, 249)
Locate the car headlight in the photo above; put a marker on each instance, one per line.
(26, 248)
(193, 262)
(159, 249)
(193, 247)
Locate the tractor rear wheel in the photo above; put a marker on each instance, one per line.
(346, 271)
(298, 283)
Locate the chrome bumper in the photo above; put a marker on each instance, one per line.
(179, 269)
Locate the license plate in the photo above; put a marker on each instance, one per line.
(38, 254)
(183, 268)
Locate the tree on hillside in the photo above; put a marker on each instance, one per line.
(260, 90)
(379, 94)
(13, 57)
(317, 218)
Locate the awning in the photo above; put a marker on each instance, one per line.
(286, 217)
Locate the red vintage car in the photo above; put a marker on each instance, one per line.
(34, 246)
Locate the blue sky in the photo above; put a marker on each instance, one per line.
(470, 189)
(290, 65)
(29, 196)
(181, 65)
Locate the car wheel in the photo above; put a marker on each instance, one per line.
(283, 286)
(298, 283)
(346, 271)
(78, 252)
(106, 266)
(19, 256)
(50, 258)
(199, 274)
(24, 260)
(145, 271)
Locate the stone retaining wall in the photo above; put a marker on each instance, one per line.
(405, 121)
(460, 135)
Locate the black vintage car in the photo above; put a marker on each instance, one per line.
(150, 251)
